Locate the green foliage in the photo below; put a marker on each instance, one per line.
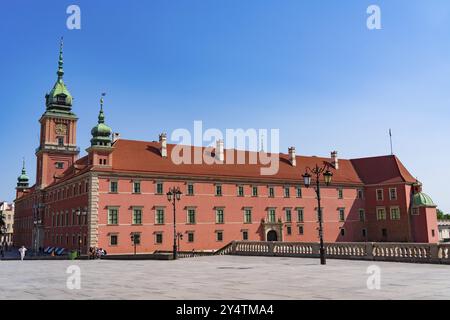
(442, 216)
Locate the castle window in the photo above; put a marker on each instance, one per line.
(341, 214)
(137, 216)
(393, 193)
(60, 141)
(340, 193)
(158, 238)
(381, 214)
(288, 215)
(190, 189)
(342, 232)
(159, 217)
(191, 216)
(360, 194)
(254, 191)
(190, 236)
(364, 233)
(380, 194)
(61, 99)
(113, 187)
(219, 236)
(271, 192)
(136, 187)
(113, 240)
(395, 213)
(272, 216)
(59, 165)
(113, 216)
(219, 216)
(218, 190)
(289, 230)
(287, 192)
(362, 215)
(299, 192)
(245, 235)
(240, 191)
(300, 216)
(248, 215)
(159, 188)
(300, 230)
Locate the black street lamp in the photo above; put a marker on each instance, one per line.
(36, 223)
(327, 175)
(173, 196)
(80, 214)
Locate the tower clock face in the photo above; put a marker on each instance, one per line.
(61, 129)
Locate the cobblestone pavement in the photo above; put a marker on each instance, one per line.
(222, 277)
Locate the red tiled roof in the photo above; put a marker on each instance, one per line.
(141, 156)
(135, 157)
(384, 169)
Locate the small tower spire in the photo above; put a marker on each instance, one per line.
(60, 72)
(23, 180)
(101, 115)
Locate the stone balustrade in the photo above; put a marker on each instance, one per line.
(397, 252)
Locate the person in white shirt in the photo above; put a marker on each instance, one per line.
(22, 252)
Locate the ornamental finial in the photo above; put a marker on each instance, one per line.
(60, 72)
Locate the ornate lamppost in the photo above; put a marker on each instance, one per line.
(173, 196)
(307, 177)
(37, 223)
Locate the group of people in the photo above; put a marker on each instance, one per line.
(96, 253)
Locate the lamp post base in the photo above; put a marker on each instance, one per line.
(175, 252)
(323, 260)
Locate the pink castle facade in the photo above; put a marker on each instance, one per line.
(119, 189)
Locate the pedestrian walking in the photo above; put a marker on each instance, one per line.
(22, 252)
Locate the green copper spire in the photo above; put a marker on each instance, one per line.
(59, 100)
(101, 133)
(23, 180)
(60, 72)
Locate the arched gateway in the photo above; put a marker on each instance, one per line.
(272, 235)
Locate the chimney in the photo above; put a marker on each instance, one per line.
(292, 156)
(116, 136)
(163, 142)
(335, 160)
(219, 150)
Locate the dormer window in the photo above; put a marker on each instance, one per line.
(61, 99)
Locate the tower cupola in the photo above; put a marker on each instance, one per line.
(23, 181)
(59, 99)
(101, 133)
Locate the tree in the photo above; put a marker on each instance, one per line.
(441, 215)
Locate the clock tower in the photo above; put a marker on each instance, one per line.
(57, 149)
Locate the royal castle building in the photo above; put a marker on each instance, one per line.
(118, 189)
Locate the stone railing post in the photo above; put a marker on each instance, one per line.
(369, 251)
(233, 247)
(434, 253)
(271, 249)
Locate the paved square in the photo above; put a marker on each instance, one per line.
(222, 277)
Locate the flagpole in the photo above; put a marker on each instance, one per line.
(390, 137)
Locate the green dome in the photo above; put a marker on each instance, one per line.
(422, 200)
(23, 179)
(101, 133)
(101, 130)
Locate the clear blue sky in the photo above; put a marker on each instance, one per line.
(310, 68)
